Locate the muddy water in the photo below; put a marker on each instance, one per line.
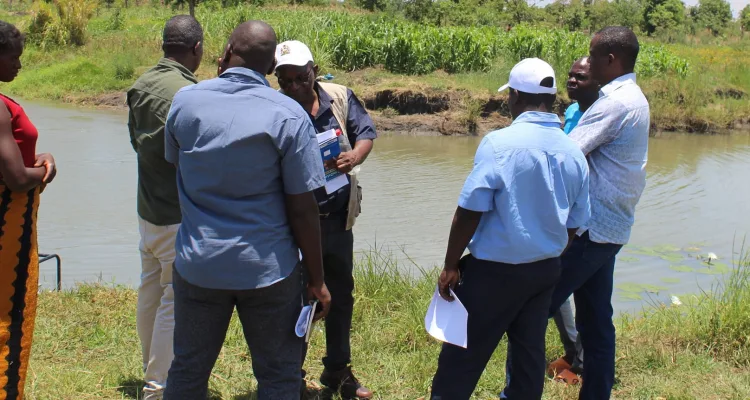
(696, 202)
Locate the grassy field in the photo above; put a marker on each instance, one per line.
(86, 346)
(390, 64)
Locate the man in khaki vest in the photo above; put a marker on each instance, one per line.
(333, 106)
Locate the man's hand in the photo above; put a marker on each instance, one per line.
(448, 280)
(346, 161)
(321, 293)
(48, 162)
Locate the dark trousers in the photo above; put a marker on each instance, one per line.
(338, 266)
(588, 275)
(500, 298)
(588, 271)
(268, 316)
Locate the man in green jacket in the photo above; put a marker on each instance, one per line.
(159, 216)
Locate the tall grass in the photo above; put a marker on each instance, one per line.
(355, 41)
(86, 347)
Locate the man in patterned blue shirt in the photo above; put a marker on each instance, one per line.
(613, 134)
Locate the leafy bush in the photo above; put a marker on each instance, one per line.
(60, 23)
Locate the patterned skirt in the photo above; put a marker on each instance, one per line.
(19, 276)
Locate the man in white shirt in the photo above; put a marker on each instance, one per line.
(613, 134)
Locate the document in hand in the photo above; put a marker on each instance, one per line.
(447, 320)
(330, 149)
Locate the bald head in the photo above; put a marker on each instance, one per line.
(581, 62)
(253, 46)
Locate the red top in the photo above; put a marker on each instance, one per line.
(24, 131)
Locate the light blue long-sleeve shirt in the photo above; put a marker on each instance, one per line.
(613, 133)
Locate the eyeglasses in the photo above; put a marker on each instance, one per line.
(301, 80)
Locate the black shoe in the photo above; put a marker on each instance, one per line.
(345, 383)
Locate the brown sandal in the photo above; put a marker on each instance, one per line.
(569, 378)
(557, 366)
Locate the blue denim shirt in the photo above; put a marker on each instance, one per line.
(359, 126)
(532, 184)
(240, 147)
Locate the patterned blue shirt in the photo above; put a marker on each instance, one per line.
(240, 147)
(613, 134)
(532, 184)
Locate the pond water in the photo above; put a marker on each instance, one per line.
(696, 202)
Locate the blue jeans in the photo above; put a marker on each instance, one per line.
(268, 316)
(588, 273)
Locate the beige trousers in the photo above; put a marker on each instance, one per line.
(155, 316)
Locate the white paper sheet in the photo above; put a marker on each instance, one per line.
(447, 320)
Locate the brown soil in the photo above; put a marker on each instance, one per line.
(451, 112)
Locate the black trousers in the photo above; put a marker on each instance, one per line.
(338, 266)
(500, 298)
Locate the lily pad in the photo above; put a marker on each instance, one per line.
(716, 267)
(681, 268)
(644, 252)
(670, 280)
(709, 271)
(672, 257)
(630, 287)
(630, 297)
(628, 259)
(692, 249)
(637, 288)
(653, 288)
(666, 248)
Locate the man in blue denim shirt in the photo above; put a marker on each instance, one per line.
(333, 106)
(517, 213)
(247, 164)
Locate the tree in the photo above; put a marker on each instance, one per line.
(745, 18)
(714, 15)
(663, 15)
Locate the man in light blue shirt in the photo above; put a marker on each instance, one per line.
(613, 134)
(518, 211)
(248, 162)
(585, 91)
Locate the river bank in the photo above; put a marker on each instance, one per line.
(86, 346)
(711, 95)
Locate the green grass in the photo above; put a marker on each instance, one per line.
(701, 87)
(86, 346)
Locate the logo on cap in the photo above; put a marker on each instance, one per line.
(285, 50)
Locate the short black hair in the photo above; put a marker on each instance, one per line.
(537, 100)
(620, 41)
(181, 34)
(11, 39)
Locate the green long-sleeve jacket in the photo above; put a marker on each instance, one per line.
(149, 100)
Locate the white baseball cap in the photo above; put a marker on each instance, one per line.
(527, 76)
(293, 52)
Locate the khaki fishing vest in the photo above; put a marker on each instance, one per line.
(340, 108)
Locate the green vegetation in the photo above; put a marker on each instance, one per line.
(86, 346)
(87, 55)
